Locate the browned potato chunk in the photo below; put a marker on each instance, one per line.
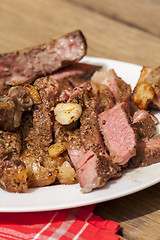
(56, 149)
(144, 74)
(143, 94)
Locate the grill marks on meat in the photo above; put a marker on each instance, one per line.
(144, 124)
(118, 134)
(26, 65)
(87, 153)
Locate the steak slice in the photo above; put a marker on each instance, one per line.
(144, 124)
(26, 65)
(90, 94)
(7, 111)
(76, 70)
(118, 134)
(92, 170)
(148, 152)
(10, 145)
(120, 89)
(12, 105)
(87, 153)
(37, 137)
(13, 176)
(90, 132)
(105, 99)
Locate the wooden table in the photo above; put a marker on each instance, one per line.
(127, 30)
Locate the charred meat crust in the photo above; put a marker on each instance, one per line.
(10, 145)
(37, 137)
(148, 152)
(13, 176)
(144, 124)
(25, 65)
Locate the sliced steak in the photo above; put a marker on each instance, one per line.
(87, 153)
(118, 134)
(12, 105)
(144, 124)
(94, 95)
(120, 89)
(62, 132)
(105, 99)
(37, 137)
(85, 95)
(13, 176)
(26, 65)
(148, 152)
(10, 145)
(7, 112)
(76, 69)
(90, 132)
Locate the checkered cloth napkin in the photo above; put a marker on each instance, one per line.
(75, 224)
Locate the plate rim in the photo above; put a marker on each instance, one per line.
(87, 202)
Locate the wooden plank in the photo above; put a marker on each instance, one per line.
(25, 23)
(138, 214)
(143, 14)
(109, 33)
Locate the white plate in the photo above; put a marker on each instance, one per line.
(68, 196)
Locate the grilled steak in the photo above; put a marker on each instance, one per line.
(7, 111)
(144, 124)
(87, 153)
(90, 132)
(10, 145)
(25, 65)
(81, 70)
(118, 87)
(91, 169)
(13, 176)
(12, 105)
(148, 152)
(118, 134)
(37, 137)
(105, 99)
(90, 94)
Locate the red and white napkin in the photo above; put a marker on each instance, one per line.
(71, 224)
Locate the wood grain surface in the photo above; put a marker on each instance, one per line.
(127, 30)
